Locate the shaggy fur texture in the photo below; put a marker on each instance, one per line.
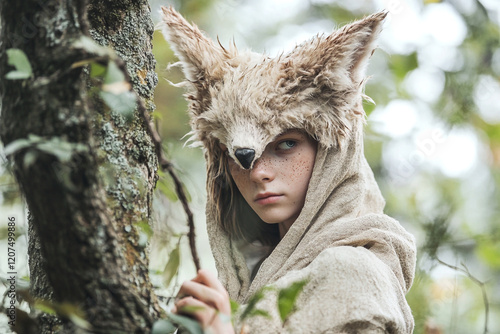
(245, 99)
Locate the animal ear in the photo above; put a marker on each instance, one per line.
(348, 48)
(200, 57)
(359, 43)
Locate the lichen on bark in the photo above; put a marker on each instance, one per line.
(82, 225)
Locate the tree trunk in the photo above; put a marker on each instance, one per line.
(85, 206)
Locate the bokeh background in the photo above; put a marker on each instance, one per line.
(432, 139)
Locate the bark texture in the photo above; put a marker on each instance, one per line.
(85, 244)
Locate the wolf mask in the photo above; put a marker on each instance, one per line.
(241, 101)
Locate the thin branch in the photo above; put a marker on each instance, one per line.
(481, 284)
(166, 165)
(182, 197)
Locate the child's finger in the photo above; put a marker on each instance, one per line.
(207, 278)
(206, 294)
(196, 309)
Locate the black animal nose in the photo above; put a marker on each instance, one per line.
(245, 156)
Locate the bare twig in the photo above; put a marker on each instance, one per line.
(481, 284)
(182, 197)
(166, 165)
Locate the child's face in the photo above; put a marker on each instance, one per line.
(276, 187)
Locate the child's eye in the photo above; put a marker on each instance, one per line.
(287, 144)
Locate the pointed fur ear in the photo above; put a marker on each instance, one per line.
(347, 49)
(200, 57)
(358, 42)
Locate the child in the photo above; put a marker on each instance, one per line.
(288, 182)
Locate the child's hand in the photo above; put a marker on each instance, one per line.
(205, 299)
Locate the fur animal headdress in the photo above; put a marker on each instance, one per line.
(242, 101)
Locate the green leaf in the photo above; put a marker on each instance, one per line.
(79, 321)
(18, 59)
(97, 70)
(235, 306)
(157, 115)
(489, 252)
(163, 326)
(116, 92)
(22, 143)
(287, 298)
(65, 310)
(166, 186)
(16, 75)
(145, 228)
(45, 307)
(252, 303)
(123, 103)
(192, 326)
(61, 148)
(56, 146)
(91, 46)
(172, 265)
(258, 312)
(17, 145)
(113, 74)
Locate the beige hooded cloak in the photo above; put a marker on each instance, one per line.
(359, 263)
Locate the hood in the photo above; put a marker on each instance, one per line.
(241, 101)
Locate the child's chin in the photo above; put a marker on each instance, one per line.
(271, 220)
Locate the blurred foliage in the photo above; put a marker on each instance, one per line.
(483, 39)
(170, 104)
(287, 298)
(9, 190)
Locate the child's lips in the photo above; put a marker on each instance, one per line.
(267, 198)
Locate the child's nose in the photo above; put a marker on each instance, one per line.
(262, 170)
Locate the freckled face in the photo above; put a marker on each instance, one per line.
(276, 187)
